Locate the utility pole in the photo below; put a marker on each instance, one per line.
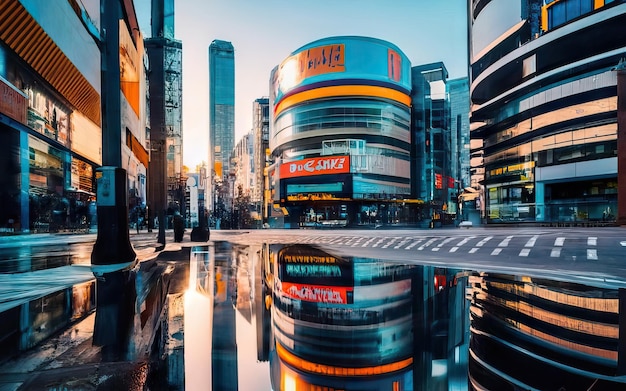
(112, 245)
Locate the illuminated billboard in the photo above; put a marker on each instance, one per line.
(309, 274)
(344, 60)
(316, 166)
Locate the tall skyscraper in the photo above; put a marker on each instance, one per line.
(261, 130)
(221, 106)
(165, 179)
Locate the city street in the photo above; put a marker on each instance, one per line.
(171, 284)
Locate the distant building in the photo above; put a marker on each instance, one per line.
(221, 118)
(434, 174)
(166, 166)
(221, 105)
(544, 108)
(260, 131)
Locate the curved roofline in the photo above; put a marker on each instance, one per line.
(345, 37)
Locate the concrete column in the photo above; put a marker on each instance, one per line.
(621, 142)
(540, 208)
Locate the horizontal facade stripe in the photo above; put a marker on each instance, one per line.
(345, 82)
(343, 91)
(560, 51)
(330, 370)
(567, 125)
(306, 142)
(571, 100)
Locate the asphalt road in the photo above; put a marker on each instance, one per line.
(591, 255)
(594, 254)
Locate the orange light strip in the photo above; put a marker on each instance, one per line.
(330, 370)
(335, 91)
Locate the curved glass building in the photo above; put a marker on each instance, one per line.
(340, 132)
(539, 334)
(544, 105)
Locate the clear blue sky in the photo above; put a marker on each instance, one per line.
(264, 33)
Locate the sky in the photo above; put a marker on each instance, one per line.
(264, 33)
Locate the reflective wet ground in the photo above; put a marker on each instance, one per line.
(298, 317)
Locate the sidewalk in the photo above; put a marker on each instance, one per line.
(69, 359)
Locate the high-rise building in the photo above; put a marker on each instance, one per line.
(221, 106)
(166, 179)
(458, 91)
(440, 141)
(544, 108)
(261, 134)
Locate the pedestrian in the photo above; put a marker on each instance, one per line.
(179, 227)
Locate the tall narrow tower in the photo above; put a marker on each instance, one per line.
(221, 116)
(165, 179)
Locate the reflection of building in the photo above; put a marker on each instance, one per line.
(363, 323)
(50, 113)
(532, 333)
(340, 133)
(544, 107)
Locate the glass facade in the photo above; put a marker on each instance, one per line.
(566, 334)
(340, 132)
(221, 105)
(545, 109)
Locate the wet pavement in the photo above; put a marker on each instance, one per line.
(261, 315)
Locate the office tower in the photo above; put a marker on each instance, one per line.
(544, 108)
(221, 106)
(436, 166)
(166, 179)
(260, 131)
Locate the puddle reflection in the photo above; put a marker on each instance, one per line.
(223, 316)
(296, 317)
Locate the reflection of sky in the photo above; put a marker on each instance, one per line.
(198, 341)
(253, 375)
(496, 18)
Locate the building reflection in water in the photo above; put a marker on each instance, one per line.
(366, 324)
(529, 333)
(297, 317)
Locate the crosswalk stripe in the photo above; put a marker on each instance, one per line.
(392, 241)
(505, 241)
(531, 241)
(357, 242)
(423, 246)
(379, 242)
(473, 250)
(559, 241)
(453, 249)
(368, 242)
(592, 254)
(524, 252)
(496, 251)
(556, 252)
(592, 241)
(485, 240)
(415, 243)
